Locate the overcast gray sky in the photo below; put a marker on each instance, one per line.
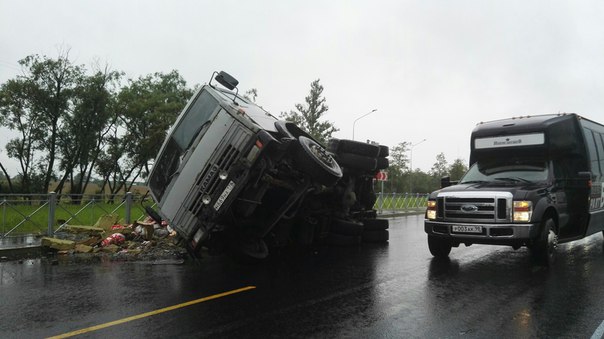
(432, 69)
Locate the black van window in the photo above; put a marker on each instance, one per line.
(593, 152)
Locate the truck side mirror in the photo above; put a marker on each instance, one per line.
(226, 80)
(445, 182)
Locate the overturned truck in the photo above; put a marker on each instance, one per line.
(231, 176)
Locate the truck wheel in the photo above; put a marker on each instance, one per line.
(439, 247)
(376, 224)
(544, 248)
(358, 162)
(346, 227)
(253, 249)
(384, 151)
(312, 159)
(357, 147)
(343, 240)
(376, 236)
(382, 163)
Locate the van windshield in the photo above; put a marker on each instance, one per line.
(510, 171)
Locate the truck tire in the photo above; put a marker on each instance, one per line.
(343, 240)
(357, 162)
(382, 163)
(346, 227)
(544, 248)
(376, 224)
(312, 159)
(380, 236)
(355, 147)
(384, 151)
(439, 247)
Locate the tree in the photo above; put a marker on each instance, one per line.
(147, 107)
(308, 116)
(399, 167)
(84, 132)
(440, 168)
(457, 169)
(35, 105)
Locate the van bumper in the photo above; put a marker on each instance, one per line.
(498, 234)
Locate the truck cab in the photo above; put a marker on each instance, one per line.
(533, 181)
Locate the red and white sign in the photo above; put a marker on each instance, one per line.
(381, 176)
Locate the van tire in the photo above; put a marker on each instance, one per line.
(544, 248)
(439, 247)
(312, 159)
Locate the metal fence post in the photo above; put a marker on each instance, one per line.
(4, 216)
(52, 207)
(128, 207)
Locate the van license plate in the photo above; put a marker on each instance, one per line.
(466, 229)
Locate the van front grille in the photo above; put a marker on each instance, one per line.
(463, 207)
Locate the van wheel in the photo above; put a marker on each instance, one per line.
(439, 247)
(544, 248)
(314, 160)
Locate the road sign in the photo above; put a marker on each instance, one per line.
(381, 176)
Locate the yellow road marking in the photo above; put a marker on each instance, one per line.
(148, 314)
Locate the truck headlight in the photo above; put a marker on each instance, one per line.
(522, 211)
(431, 211)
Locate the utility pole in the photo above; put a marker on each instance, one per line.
(411, 165)
(362, 116)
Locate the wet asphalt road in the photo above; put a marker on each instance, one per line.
(372, 291)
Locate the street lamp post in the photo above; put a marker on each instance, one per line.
(362, 116)
(411, 164)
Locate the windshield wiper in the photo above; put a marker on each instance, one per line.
(473, 182)
(514, 179)
(197, 133)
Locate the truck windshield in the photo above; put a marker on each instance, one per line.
(196, 116)
(512, 171)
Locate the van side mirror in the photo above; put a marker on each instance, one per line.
(445, 182)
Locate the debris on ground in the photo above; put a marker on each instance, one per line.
(144, 240)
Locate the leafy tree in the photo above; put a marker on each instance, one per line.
(399, 167)
(35, 105)
(308, 116)
(146, 108)
(457, 169)
(440, 167)
(84, 132)
(251, 94)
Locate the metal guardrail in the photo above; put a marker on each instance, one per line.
(399, 202)
(48, 213)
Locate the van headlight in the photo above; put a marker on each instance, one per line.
(431, 211)
(522, 211)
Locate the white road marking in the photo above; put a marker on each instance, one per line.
(599, 333)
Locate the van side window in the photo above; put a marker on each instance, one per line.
(600, 146)
(593, 153)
